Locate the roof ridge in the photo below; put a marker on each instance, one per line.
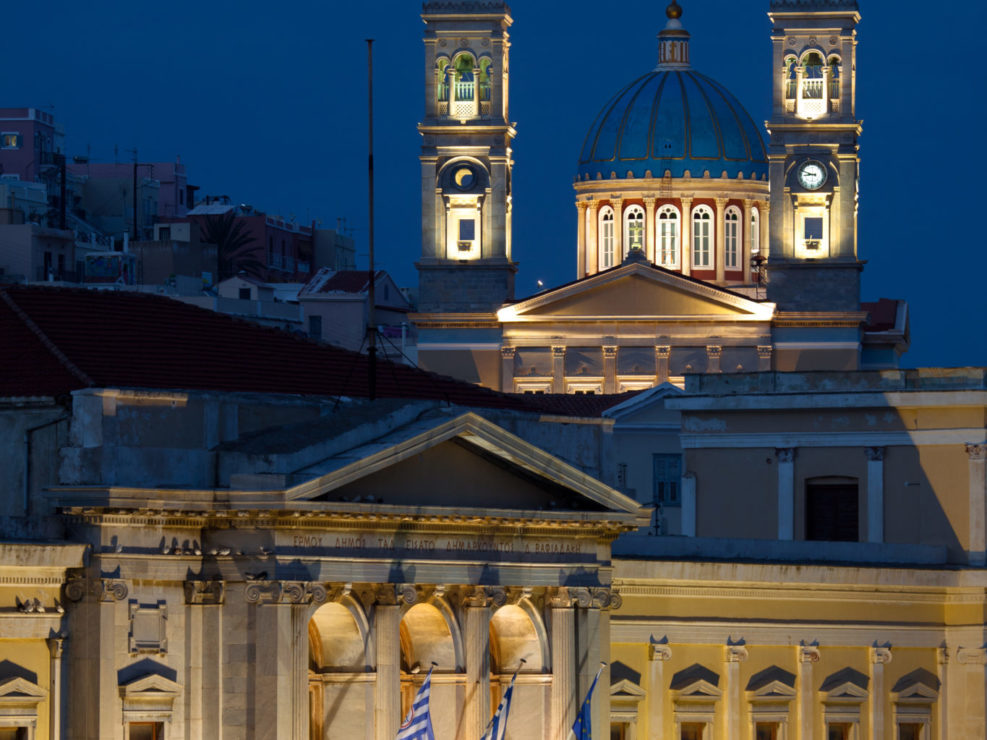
(43, 338)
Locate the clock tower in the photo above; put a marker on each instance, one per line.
(466, 264)
(813, 157)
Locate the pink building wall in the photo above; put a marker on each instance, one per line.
(173, 195)
(38, 137)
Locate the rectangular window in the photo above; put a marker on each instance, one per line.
(10, 140)
(832, 512)
(619, 731)
(667, 479)
(701, 246)
(13, 733)
(164, 234)
(693, 731)
(766, 731)
(909, 731)
(146, 731)
(813, 232)
(839, 731)
(467, 233)
(315, 327)
(244, 294)
(732, 246)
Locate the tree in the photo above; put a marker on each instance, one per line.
(235, 247)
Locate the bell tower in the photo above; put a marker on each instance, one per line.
(813, 157)
(466, 264)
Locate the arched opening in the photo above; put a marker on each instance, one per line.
(731, 254)
(517, 633)
(633, 229)
(463, 87)
(791, 77)
(668, 237)
(812, 76)
(339, 671)
(442, 80)
(834, 77)
(513, 638)
(426, 639)
(486, 71)
(606, 238)
(755, 241)
(702, 237)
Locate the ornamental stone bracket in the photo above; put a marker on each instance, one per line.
(809, 654)
(204, 593)
(659, 650)
(105, 590)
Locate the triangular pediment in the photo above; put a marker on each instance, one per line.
(637, 292)
(152, 685)
(21, 691)
(466, 462)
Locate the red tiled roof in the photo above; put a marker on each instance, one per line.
(57, 340)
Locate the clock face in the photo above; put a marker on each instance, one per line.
(812, 175)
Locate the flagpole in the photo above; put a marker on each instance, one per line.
(582, 721)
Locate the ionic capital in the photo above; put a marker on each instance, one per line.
(874, 454)
(508, 353)
(785, 454)
(880, 655)
(977, 451)
(809, 654)
(659, 649)
(204, 592)
(736, 652)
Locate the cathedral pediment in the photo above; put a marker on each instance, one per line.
(638, 292)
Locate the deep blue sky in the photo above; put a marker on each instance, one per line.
(266, 102)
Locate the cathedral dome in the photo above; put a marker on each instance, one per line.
(673, 119)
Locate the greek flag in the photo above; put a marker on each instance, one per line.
(497, 729)
(418, 724)
(583, 727)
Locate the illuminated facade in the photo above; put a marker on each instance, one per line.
(699, 250)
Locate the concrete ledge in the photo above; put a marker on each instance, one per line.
(706, 548)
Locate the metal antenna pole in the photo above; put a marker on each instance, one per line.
(371, 299)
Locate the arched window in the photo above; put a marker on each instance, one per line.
(668, 237)
(606, 238)
(633, 229)
(755, 232)
(702, 237)
(812, 78)
(731, 255)
(834, 77)
(442, 80)
(463, 85)
(790, 77)
(485, 71)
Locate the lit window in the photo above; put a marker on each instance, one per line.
(146, 731)
(463, 87)
(693, 731)
(633, 229)
(813, 232)
(839, 731)
(834, 77)
(10, 140)
(755, 232)
(668, 237)
(767, 731)
(732, 253)
(790, 77)
(909, 731)
(442, 80)
(467, 233)
(606, 238)
(667, 479)
(702, 239)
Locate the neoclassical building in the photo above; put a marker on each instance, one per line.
(698, 249)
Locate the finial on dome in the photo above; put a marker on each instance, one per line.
(673, 42)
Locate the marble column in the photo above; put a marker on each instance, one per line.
(942, 706)
(609, 369)
(733, 656)
(875, 494)
(660, 652)
(786, 493)
(977, 454)
(507, 355)
(808, 655)
(764, 210)
(720, 249)
(687, 234)
(387, 694)
(662, 354)
(563, 701)
(476, 712)
(649, 229)
(558, 369)
(879, 657)
(56, 648)
(581, 209)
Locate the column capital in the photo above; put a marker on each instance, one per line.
(764, 351)
(201, 593)
(785, 454)
(108, 590)
(559, 598)
(977, 451)
(659, 649)
(663, 351)
(650, 200)
(558, 350)
(480, 597)
(880, 655)
(735, 652)
(874, 454)
(714, 351)
(809, 654)
(720, 202)
(508, 353)
(582, 205)
(395, 595)
(610, 351)
(56, 645)
(748, 203)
